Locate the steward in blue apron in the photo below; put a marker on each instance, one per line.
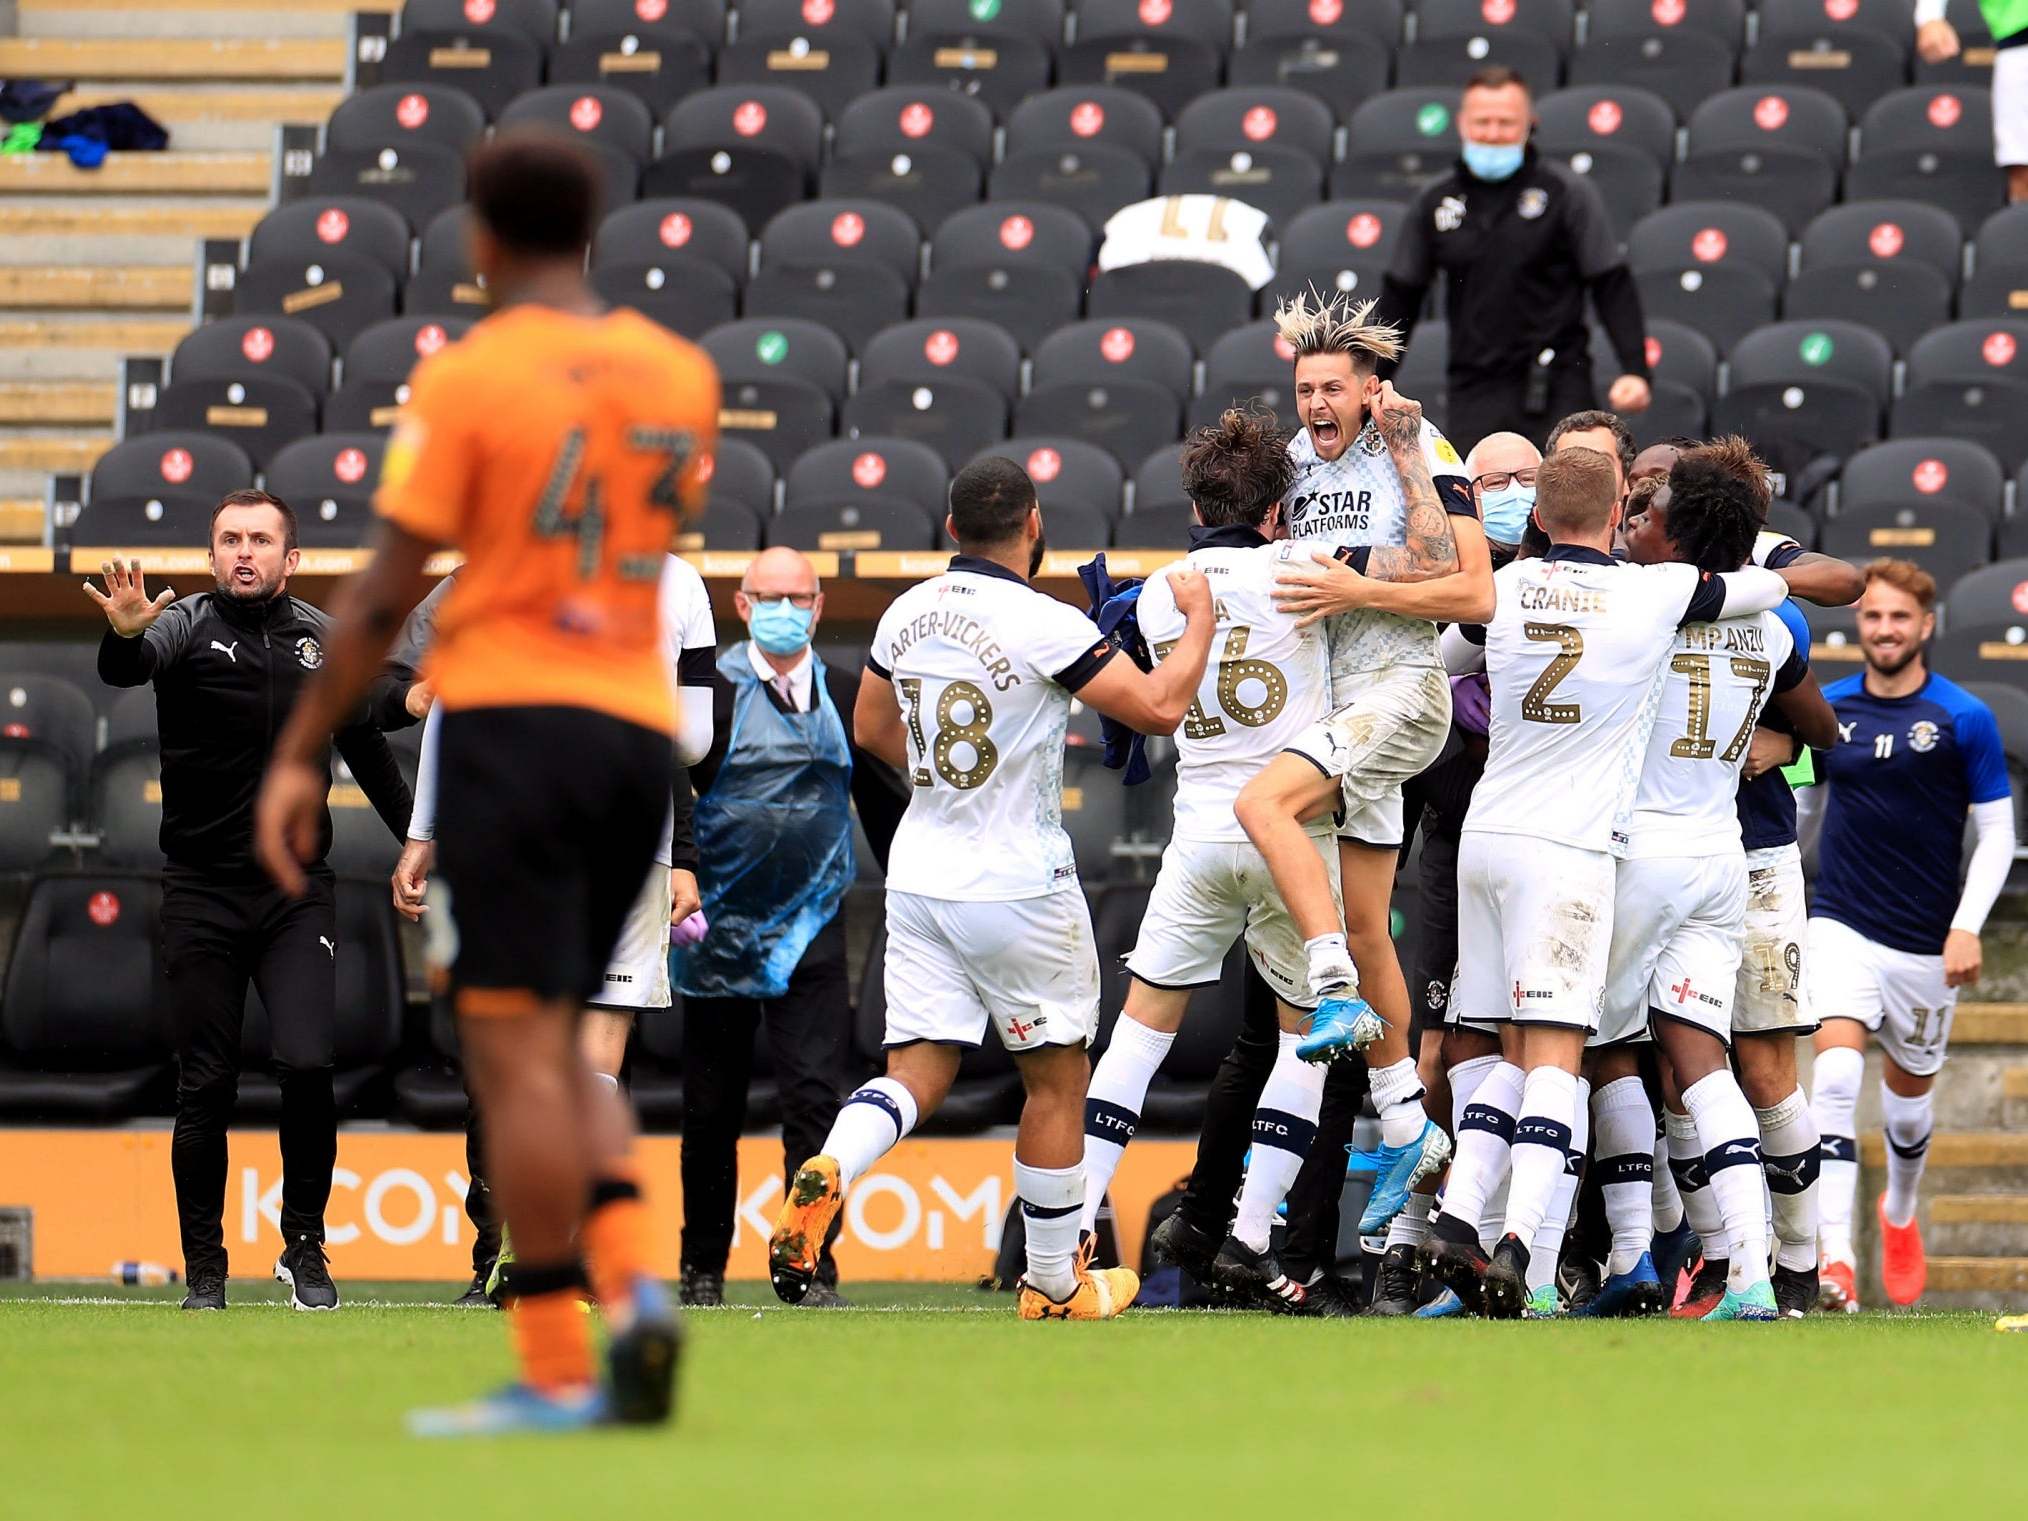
(775, 833)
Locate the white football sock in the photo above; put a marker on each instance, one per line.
(1541, 1152)
(1332, 974)
(1284, 1124)
(1788, 1154)
(1909, 1122)
(1624, 1124)
(1411, 1226)
(869, 1124)
(1397, 1099)
(1050, 1199)
(1112, 1104)
(1485, 1131)
(1666, 1210)
(1834, 1105)
(1731, 1140)
(1547, 1246)
(1686, 1166)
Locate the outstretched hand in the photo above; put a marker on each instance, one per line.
(125, 601)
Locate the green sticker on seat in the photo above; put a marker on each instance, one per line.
(1815, 349)
(771, 348)
(1433, 119)
(985, 10)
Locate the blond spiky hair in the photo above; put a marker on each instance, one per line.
(1311, 323)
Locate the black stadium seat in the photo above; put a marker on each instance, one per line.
(195, 464)
(686, 295)
(418, 179)
(1067, 472)
(82, 1036)
(47, 734)
(1593, 117)
(831, 72)
(328, 479)
(260, 415)
(1995, 348)
(390, 350)
(842, 233)
(1282, 182)
(1924, 470)
(954, 416)
(900, 120)
(878, 523)
(1100, 352)
(1991, 412)
(126, 784)
(1801, 44)
(1947, 541)
(1679, 65)
(1000, 71)
(930, 349)
(1093, 181)
(776, 348)
(1898, 299)
(781, 417)
(861, 469)
(599, 115)
(657, 68)
(1200, 300)
(491, 69)
(1121, 415)
(653, 230)
(855, 301)
(338, 294)
(534, 20)
(308, 229)
(396, 115)
(1339, 69)
(1452, 60)
(1027, 298)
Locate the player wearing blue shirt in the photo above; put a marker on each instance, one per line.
(1892, 935)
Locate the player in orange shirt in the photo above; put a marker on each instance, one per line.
(557, 445)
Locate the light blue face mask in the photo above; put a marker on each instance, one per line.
(778, 626)
(1506, 512)
(1493, 161)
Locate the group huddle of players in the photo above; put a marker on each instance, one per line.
(1622, 895)
(1616, 887)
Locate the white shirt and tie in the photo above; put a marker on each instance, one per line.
(792, 688)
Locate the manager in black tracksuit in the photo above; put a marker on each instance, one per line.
(1523, 240)
(227, 665)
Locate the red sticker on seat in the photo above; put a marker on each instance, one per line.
(1651, 348)
(479, 12)
(1708, 246)
(429, 338)
(749, 117)
(258, 344)
(1605, 117)
(917, 119)
(1044, 464)
(1017, 233)
(350, 466)
(1364, 230)
(1770, 112)
(1998, 349)
(1117, 345)
(1497, 12)
(847, 228)
(1669, 12)
(1087, 118)
(1885, 240)
(819, 12)
(869, 470)
(1156, 12)
(103, 909)
(1945, 111)
(1930, 476)
(941, 347)
(586, 113)
(1258, 124)
(675, 230)
(2021, 597)
(1327, 12)
(332, 225)
(177, 466)
(412, 111)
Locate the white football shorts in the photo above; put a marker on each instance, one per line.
(1770, 999)
(1207, 894)
(1387, 734)
(1535, 924)
(1677, 922)
(1899, 995)
(637, 976)
(1028, 968)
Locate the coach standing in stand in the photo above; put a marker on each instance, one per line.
(773, 826)
(227, 665)
(1523, 240)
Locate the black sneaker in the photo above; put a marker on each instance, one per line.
(703, 1291)
(1330, 1297)
(475, 1298)
(304, 1267)
(825, 1296)
(1795, 1291)
(207, 1291)
(1453, 1257)
(1177, 1241)
(1256, 1278)
(1577, 1276)
(1394, 1283)
(1507, 1279)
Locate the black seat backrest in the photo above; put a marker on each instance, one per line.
(81, 981)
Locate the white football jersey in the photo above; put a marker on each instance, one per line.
(1355, 502)
(984, 665)
(1718, 678)
(1266, 682)
(1574, 656)
(1211, 229)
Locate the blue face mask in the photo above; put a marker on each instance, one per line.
(1506, 512)
(1493, 161)
(780, 627)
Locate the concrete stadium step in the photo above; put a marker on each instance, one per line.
(130, 287)
(73, 403)
(193, 18)
(1977, 1225)
(2014, 1098)
(1960, 1162)
(81, 346)
(1988, 1042)
(1975, 1283)
(214, 118)
(170, 173)
(45, 452)
(80, 231)
(129, 58)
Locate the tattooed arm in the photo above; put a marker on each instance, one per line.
(1443, 572)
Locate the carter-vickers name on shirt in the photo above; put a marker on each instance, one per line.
(965, 632)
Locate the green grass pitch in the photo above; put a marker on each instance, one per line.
(934, 1401)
